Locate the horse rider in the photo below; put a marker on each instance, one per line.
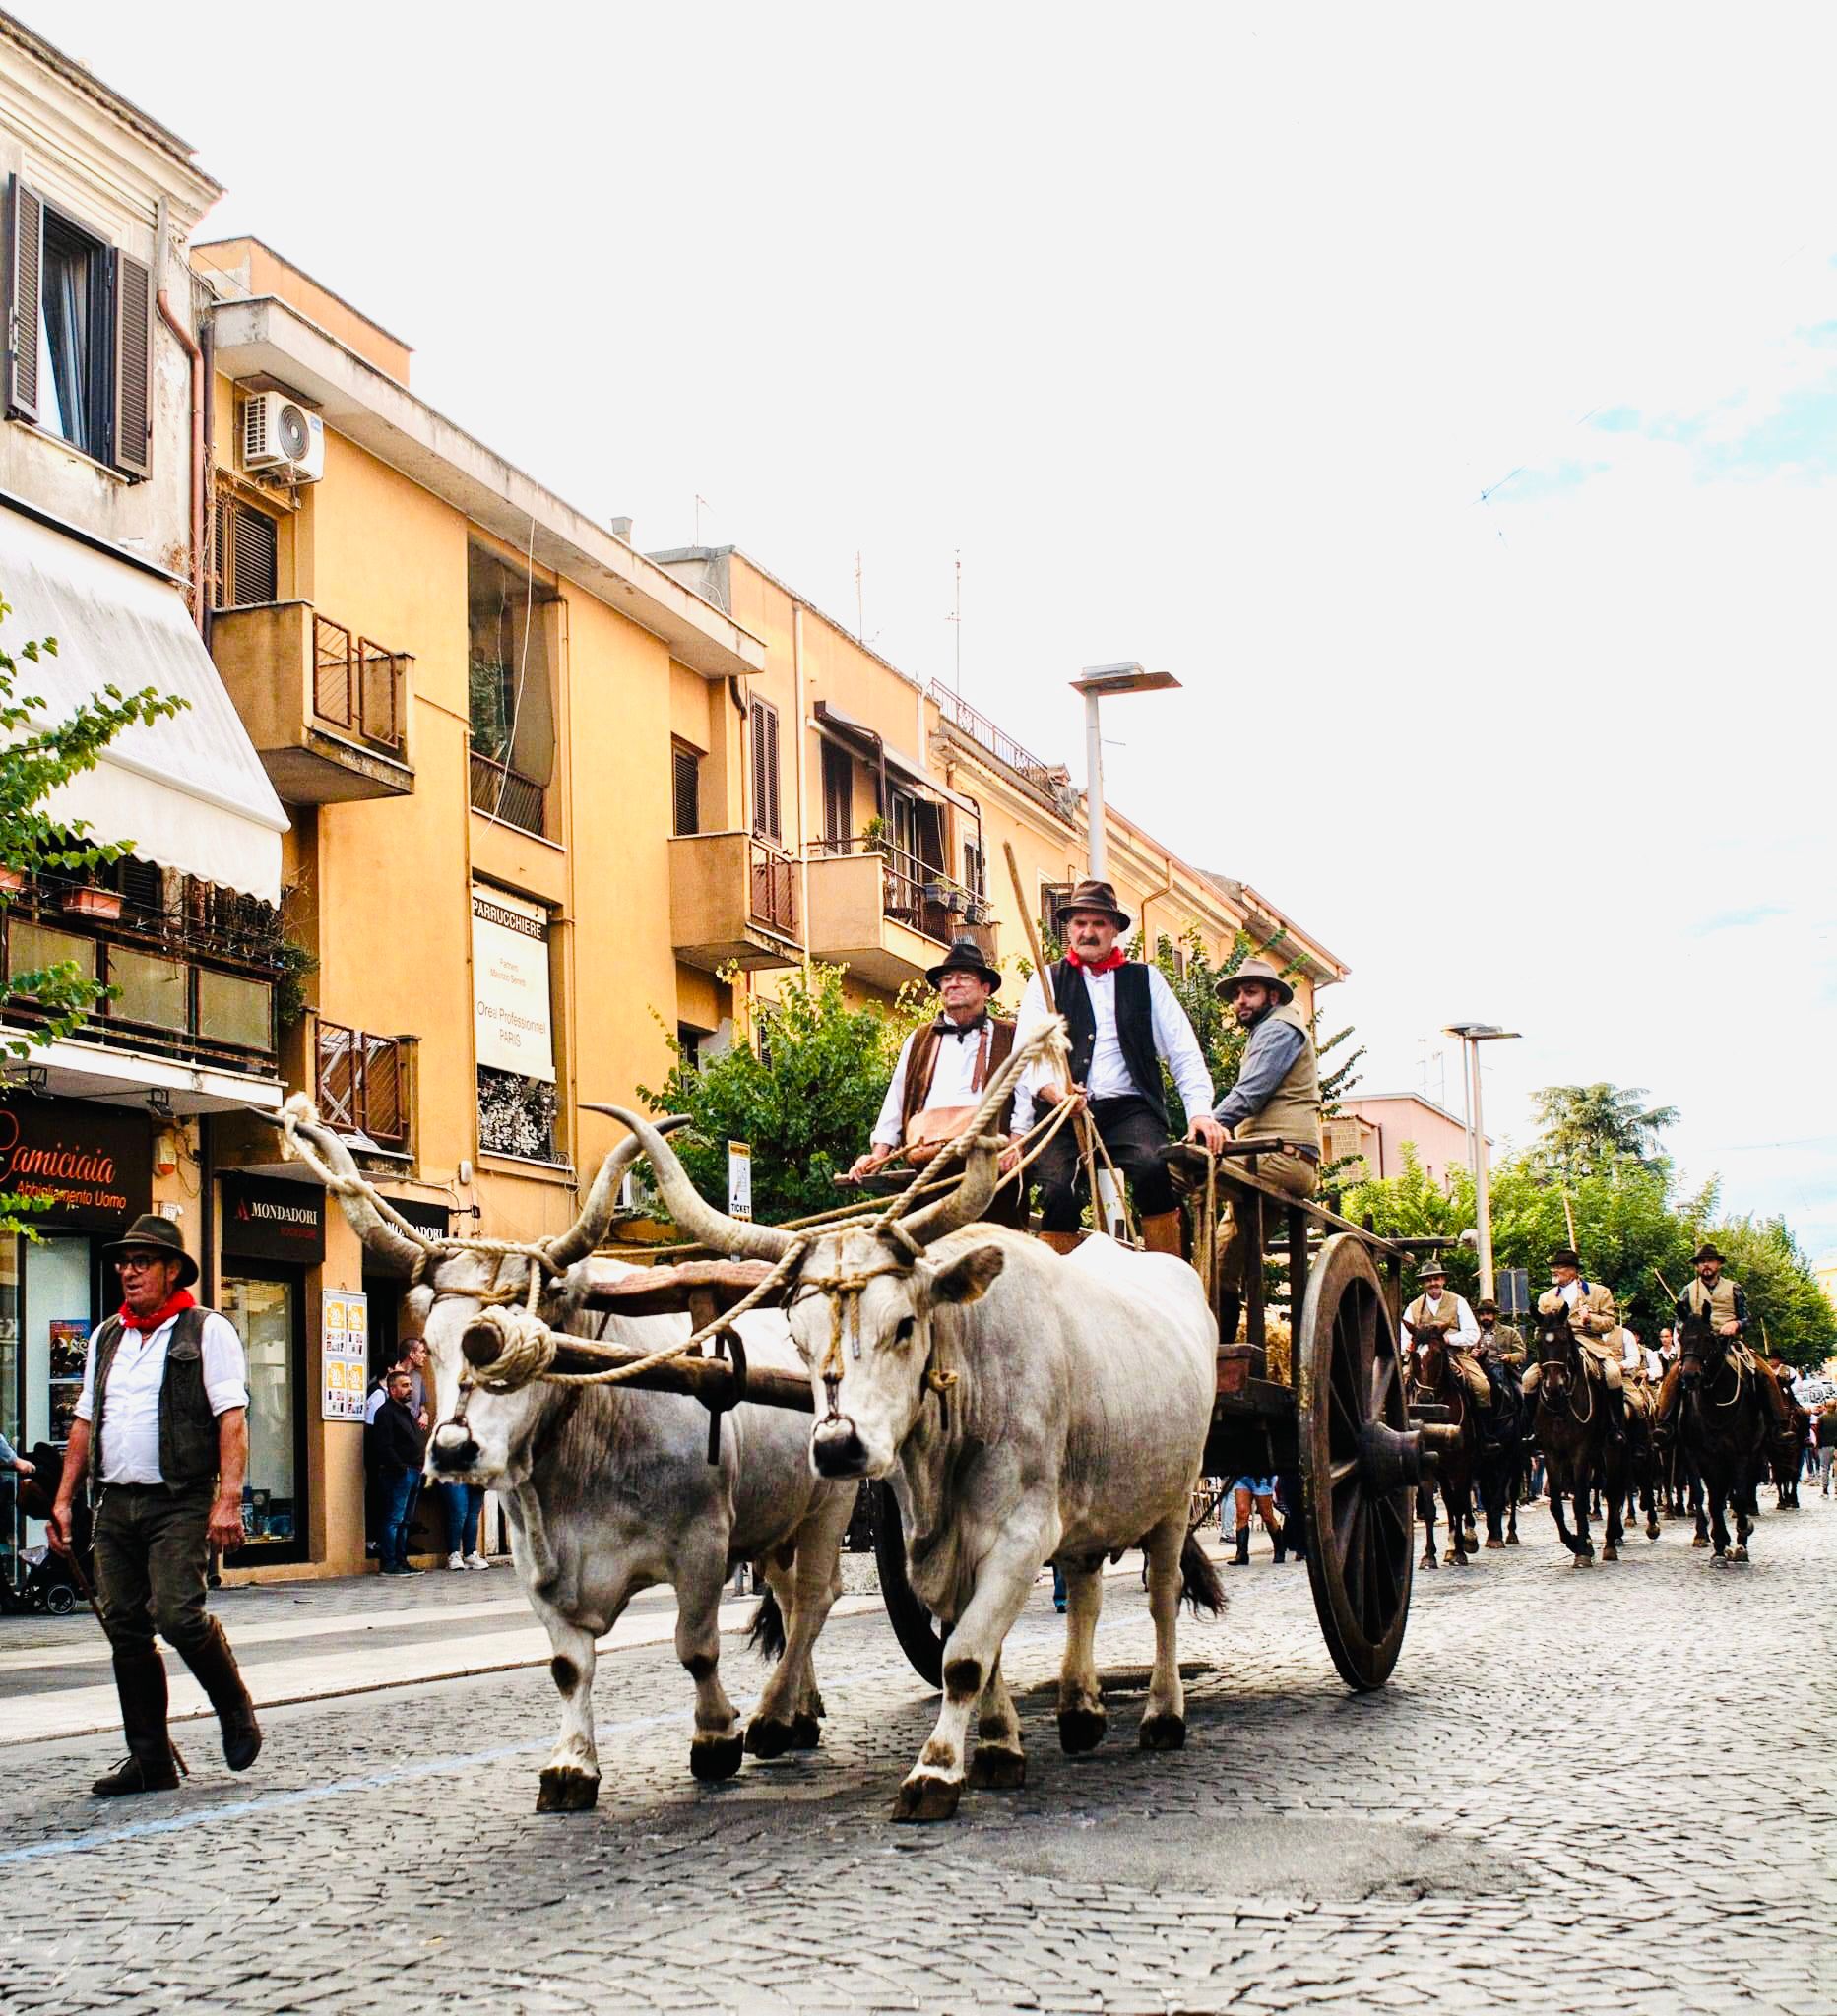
(1277, 1096)
(1595, 1327)
(1501, 1347)
(941, 1074)
(1124, 1023)
(1725, 1302)
(1435, 1309)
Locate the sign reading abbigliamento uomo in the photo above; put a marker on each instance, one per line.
(509, 985)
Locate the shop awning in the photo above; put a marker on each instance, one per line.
(188, 793)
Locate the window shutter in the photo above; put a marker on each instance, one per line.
(687, 792)
(133, 432)
(766, 820)
(24, 260)
(248, 556)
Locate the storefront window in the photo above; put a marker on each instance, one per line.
(58, 1320)
(266, 1313)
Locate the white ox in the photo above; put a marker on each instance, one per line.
(1026, 1409)
(610, 1490)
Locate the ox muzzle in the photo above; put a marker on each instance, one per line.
(451, 1449)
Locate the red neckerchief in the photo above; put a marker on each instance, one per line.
(176, 1303)
(1118, 956)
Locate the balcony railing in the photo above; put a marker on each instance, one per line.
(1045, 780)
(358, 685)
(507, 796)
(774, 889)
(919, 894)
(361, 1083)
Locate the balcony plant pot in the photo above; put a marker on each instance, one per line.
(12, 880)
(89, 901)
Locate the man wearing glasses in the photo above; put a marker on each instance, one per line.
(163, 1422)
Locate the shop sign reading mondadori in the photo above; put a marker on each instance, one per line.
(509, 985)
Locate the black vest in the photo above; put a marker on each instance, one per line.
(1135, 1027)
(188, 1432)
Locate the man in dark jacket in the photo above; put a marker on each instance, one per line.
(396, 1442)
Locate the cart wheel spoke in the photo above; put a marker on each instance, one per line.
(1340, 1472)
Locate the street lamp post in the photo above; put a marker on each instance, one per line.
(1472, 1036)
(1093, 683)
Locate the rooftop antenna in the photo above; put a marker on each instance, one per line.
(860, 608)
(955, 618)
(701, 504)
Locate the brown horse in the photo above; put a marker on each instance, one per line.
(1571, 1425)
(1722, 1429)
(1437, 1379)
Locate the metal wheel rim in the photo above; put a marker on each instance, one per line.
(1362, 1543)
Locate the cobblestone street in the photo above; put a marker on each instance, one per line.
(1562, 1801)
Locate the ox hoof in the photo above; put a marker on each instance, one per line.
(1164, 1733)
(770, 1739)
(1081, 1730)
(996, 1769)
(561, 1789)
(712, 1758)
(806, 1732)
(924, 1796)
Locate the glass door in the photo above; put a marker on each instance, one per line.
(268, 1311)
(57, 1314)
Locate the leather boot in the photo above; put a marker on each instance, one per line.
(1241, 1558)
(214, 1667)
(1060, 1242)
(1162, 1233)
(1616, 1415)
(149, 1765)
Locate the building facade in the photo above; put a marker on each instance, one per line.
(1372, 1130)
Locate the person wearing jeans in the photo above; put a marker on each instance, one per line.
(464, 1505)
(398, 1444)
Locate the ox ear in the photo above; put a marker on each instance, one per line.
(966, 1277)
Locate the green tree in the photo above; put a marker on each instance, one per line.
(1588, 1127)
(806, 1099)
(1786, 1310)
(35, 757)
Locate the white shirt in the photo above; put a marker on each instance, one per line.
(951, 1073)
(1108, 1076)
(134, 1381)
(1632, 1353)
(1569, 1292)
(1435, 1309)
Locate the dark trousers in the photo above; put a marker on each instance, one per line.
(401, 1488)
(149, 1561)
(1135, 1138)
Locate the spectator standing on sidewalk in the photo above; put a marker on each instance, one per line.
(399, 1445)
(1827, 1442)
(465, 1507)
(10, 1459)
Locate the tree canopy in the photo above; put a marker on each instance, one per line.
(1592, 1127)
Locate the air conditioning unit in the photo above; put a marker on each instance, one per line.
(282, 438)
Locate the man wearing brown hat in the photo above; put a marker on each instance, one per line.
(1124, 1024)
(1595, 1325)
(1724, 1302)
(1436, 1313)
(1277, 1095)
(1498, 1340)
(942, 1072)
(162, 1422)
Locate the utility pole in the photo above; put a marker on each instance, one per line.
(1472, 1036)
(1093, 683)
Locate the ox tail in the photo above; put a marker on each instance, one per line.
(1200, 1585)
(767, 1635)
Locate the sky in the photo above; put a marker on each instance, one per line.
(1446, 395)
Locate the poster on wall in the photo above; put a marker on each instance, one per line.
(345, 1354)
(509, 985)
(740, 1180)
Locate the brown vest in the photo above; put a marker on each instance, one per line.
(1293, 1111)
(922, 1068)
(188, 1434)
(1718, 1302)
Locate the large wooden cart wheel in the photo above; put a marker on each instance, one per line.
(1360, 1463)
(913, 1624)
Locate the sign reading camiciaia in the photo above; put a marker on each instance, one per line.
(509, 985)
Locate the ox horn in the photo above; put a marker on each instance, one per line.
(377, 1234)
(586, 1230)
(965, 1203)
(687, 1206)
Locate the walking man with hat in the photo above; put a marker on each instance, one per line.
(941, 1074)
(1724, 1302)
(1277, 1095)
(1124, 1024)
(1437, 1310)
(162, 1426)
(1595, 1326)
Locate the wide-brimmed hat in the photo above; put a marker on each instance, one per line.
(1566, 1256)
(1432, 1266)
(1486, 1306)
(150, 1229)
(1707, 1251)
(964, 955)
(1258, 969)
(1094, 895)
